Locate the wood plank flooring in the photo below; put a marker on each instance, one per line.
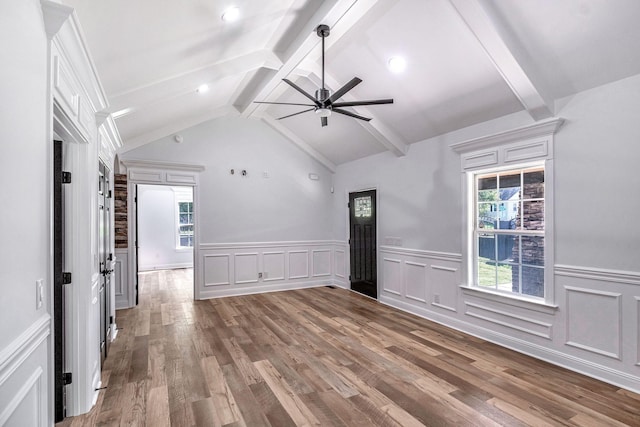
(325, 357)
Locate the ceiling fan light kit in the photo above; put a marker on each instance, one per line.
(324, 103)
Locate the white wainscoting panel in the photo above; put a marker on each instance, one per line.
(246, 268)
(442, 275)
(392, 276)
(509, 320)
(273, 266)
(24, 379)
(415, 280)
(637, 316)
(216, 269)
(600, 331)
(321, 262)
(340, 263)
(298, 264)
(121, 279)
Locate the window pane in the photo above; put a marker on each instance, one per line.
(184, 218)
(186, 241)
(487, 215)
(362, 207)
(487, 189)
(506, 245)
(486, 273)
(509, 182)
(533, 215)
(508, 215)
(487, 246)
(533, 250)
(533, 185)
(183, 207)
(533, 281)
(506, 274)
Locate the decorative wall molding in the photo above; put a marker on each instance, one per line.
(21, 348)
(585, 331)
(254, 267)
(446, 256)
(600, 274)
(151, 164)
(32, 386)
(511, 320)
(534, 130)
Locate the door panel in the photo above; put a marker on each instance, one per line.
(362, 242)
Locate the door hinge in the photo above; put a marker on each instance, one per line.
(349, 241)
(111, 320)
(349, 277)
(110, 257)
(348, 204)
(67, 378)
(109, 194)
(66, 278)
(66, 177)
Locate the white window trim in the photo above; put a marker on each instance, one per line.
(181, 198)
(503, 151)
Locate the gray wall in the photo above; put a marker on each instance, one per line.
(234, 208)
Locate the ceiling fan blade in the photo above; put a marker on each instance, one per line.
(283, 103)
(356, 103)
(295, 114)
(299, 89)
(324, 121)
(350, 114)
(344, 89)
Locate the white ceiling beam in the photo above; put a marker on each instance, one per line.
(329, 13)
(180, 84)
(295, 139)
(383, 134)
(176, 126)
(493, 39)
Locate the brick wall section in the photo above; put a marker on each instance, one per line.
(532, 248)
(120, 211)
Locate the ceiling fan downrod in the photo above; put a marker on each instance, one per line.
(322, 31)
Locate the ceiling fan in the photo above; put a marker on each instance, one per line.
(324, 103)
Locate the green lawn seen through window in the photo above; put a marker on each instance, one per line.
(487, 273)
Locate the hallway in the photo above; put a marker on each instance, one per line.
(325, 356)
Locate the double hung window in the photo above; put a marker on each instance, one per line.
(509, 231)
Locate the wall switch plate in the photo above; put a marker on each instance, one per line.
(39, 293)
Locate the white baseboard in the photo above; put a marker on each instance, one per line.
(263, 288)
(165, 266)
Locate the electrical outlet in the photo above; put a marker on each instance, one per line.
(259, 275)
(39, 293)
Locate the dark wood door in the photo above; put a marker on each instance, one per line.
(362, 242)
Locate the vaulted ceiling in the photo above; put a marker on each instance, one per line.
(467, 61)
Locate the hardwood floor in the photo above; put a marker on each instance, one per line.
(326, 357)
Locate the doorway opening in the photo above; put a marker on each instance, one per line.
(165, 230)
(362, 242)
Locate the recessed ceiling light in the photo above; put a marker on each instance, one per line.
(231, 14)
(203, 88)
(397, 64)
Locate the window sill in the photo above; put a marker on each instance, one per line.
(184, 249)
(516, 301)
